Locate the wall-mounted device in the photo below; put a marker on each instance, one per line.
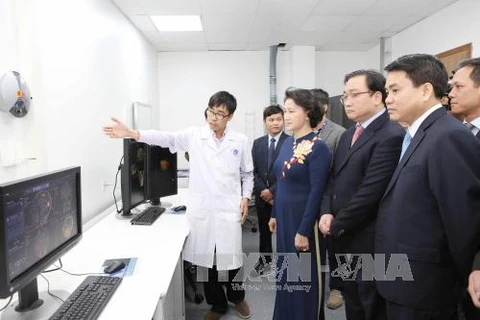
(14, 94)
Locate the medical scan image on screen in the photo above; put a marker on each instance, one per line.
(38, 221)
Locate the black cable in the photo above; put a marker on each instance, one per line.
(115, 185)
(48, 289)
(9, 300)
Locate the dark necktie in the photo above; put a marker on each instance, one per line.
(358, 132)
(271, 150)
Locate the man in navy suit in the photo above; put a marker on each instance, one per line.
(428, 222)
(365, 159)
(465, 98)
(264, 152)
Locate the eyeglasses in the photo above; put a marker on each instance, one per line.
(352, 95)
(218, 116)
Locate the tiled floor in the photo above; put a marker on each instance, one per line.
(259, 295)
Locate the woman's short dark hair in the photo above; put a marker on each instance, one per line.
(305, 99)
(223, 98)
(422, 68)
(271, 110)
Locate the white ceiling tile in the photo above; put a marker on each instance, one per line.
(325, 23)
(372, 24)
(274, 28)
(226, 28)
(408, 7)
(343, 7)
(173, 7)
(282, 7)
(248, 7)
(258, 24)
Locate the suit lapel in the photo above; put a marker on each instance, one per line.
(264, 149)
(410, 150)
(416, 140)
(327, 130)
(344, 149)
(278, 146)
(366, 135)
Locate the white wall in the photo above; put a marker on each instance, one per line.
(84, 62)
(186, 80)
(451, 27)
(332, 66)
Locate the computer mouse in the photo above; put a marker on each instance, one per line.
(179, 208)
(114, 266)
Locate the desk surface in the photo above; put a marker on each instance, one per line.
(156, 247)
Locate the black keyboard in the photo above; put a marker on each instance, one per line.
(148, 216)
(89, 299)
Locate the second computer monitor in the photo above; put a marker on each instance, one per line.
(161, 174)
(134, 191)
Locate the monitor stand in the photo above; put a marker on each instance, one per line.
(157, 202)
(32, 305)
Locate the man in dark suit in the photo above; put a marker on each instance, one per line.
(330, 132)
(264, 152)
(364, 163)
(428, 222)
(465, 99)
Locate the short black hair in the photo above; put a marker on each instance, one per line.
(271, 110)
(321, 96)
(304, 98)
(375, 81)
(422, 68)
(475, 64)
(223, 98)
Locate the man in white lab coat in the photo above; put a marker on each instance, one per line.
(221, 182)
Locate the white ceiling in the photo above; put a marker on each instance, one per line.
(329, 25)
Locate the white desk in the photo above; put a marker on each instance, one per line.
(158, 274)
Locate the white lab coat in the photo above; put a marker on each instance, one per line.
(215, 191)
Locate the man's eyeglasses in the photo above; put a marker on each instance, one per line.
(352, 95)
(218, 116)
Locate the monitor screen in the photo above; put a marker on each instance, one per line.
(161, 173)
(40, 219)
(133, 175)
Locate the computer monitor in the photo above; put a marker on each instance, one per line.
(40, 220)
(161, 174)
(134, 191)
